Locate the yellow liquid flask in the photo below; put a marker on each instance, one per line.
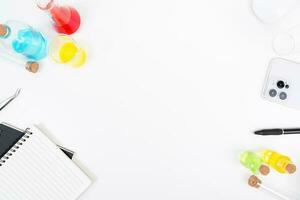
(64, 50)
(281, 163)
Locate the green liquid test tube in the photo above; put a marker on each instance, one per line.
(254, 163)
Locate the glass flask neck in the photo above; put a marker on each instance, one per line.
(46, 5)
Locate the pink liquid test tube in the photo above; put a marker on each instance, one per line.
(65, 19)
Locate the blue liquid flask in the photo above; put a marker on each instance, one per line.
(23, 39)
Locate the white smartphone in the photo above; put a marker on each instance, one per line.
(282, 83)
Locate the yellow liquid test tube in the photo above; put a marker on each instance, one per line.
(64, 50)
(281, 163)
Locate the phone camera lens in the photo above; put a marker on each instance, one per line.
(280, 84)
(282, 96)
(287, 86)
(272, 93)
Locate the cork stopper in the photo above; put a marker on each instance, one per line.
(3, 30)
(254, 181)
(32, 66)
(264, 170)
(291, 168)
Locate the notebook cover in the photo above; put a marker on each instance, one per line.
(8, 138)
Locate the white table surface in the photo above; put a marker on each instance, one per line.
(169, 97)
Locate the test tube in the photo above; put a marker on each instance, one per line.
(24, 40)
(31, 66)
(255, 182)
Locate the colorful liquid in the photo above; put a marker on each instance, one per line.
(251, 161)
(66, 19)
(80, 58)
(280, 163)
(31, 44)
(69, 53)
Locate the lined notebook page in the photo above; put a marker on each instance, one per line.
(39, 170)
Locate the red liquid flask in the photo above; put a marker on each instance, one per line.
(66, 19)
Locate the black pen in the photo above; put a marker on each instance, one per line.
(278, 131)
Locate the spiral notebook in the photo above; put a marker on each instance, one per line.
(34, 168)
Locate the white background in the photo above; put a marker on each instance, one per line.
(168, 98)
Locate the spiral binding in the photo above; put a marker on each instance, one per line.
(15, 148)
